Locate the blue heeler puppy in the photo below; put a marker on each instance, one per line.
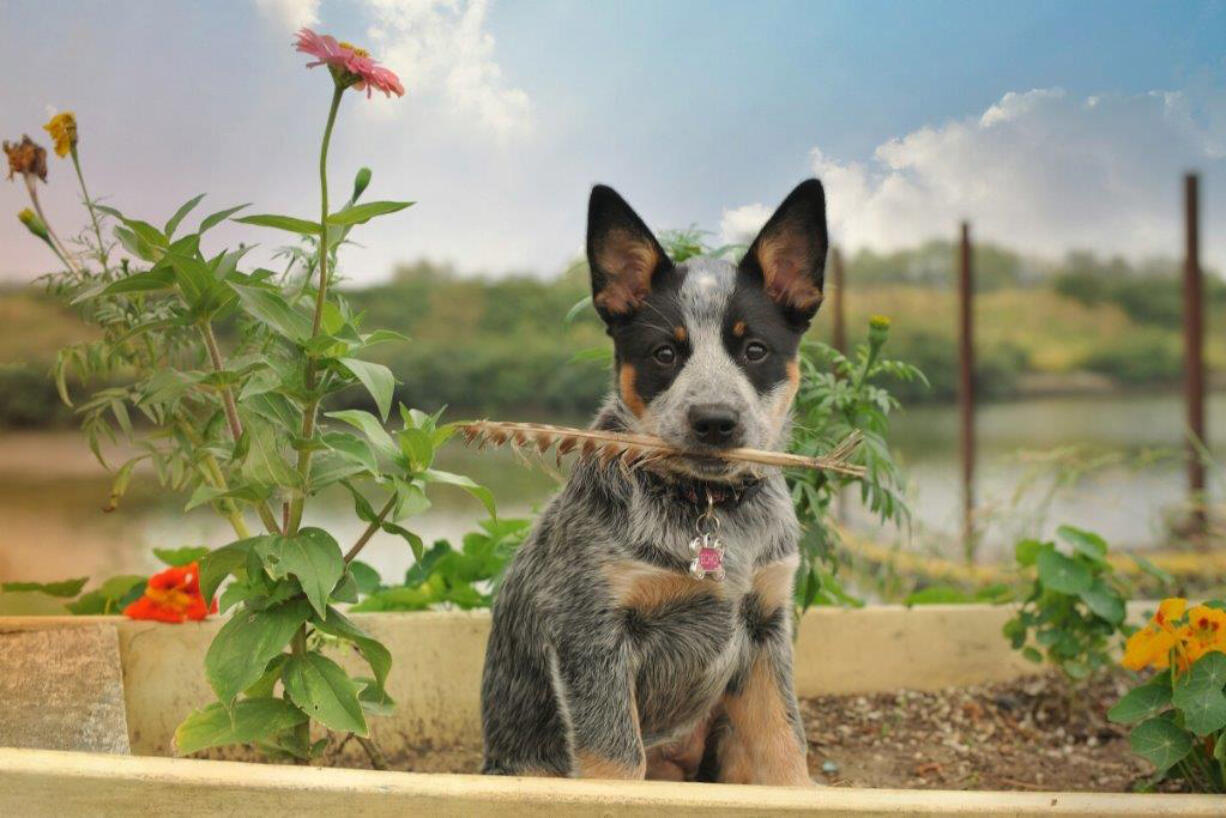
(622, 647)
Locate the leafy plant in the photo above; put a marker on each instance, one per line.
(238, 426)
(839, 395)
(465, 578)
(1180, 711)
(1075, 605)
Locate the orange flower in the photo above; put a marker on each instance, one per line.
(172, 596)
(1204, 633)
(1152, 645)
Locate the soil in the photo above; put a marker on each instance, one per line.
(1034, 733)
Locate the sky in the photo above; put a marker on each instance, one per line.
(1050, 125)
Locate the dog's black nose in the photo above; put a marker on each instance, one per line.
(714, 424)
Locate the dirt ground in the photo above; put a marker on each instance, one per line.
(1028, 734)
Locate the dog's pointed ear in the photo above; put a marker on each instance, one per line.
(622, 253)
(789, 254)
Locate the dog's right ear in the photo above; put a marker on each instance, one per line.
(622, 253)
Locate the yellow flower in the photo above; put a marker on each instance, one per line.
(1204, 633)
(1149, 647)
(63, 130)
(1169, 611)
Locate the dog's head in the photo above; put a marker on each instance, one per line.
(706, 350)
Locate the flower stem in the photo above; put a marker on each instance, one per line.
(93, 214)
(56, 244)
(370, 529)
(298, 647)
(308, 415)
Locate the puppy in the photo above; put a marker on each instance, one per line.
(624, 644)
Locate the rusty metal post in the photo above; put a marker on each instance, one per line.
(966, 390)
(839, 333)
(1193, 350)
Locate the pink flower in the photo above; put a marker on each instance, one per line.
(350, 65)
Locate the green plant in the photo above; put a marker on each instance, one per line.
(838, 396)
(1179, 713)
(1075, 606)
(464, 578)
(238, 427)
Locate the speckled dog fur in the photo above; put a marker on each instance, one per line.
(607, 659)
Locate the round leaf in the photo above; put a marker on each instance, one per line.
(1161, 742)
(1060, 573)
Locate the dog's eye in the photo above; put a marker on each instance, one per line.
(755, 351)
(665, 354)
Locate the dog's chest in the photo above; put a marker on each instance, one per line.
(689, 637)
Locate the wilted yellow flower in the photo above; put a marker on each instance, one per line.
(26, 157)
(63, 130)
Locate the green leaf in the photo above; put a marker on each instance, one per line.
(1032, 655)
(418, 447)
(159, 278)
(63, 589)
(467, 483)
(1163, 577)
(580, 306)
(367, 578)
(1161, 742)
(221, 562)
(1198, 695)
(247, 643)
(186, 208)
(374, 698)
(271, 307)
(181, 556)
(111, 596)
(250, 720)
(353, 448)
(938, 595)
(289, 223)
(359, 214)
(312, 557)
(220, 216)
(373, 651)
(377, 379)
(1086, 543)
(1027, 551)
(324, 692)
(1104, 601)
(1060, 573)
(1142, 702)
(369, 426)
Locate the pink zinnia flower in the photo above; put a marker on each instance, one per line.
(350, 65)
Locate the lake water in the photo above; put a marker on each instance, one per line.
(51, 489)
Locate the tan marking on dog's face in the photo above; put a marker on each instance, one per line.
(760, 747)
(738, 329)
(680, 334)
(645, 587)
(773, 583)
(630, 395)
(590, 765)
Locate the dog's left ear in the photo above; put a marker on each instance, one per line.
(789, 254)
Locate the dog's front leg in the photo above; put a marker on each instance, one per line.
(764, 742)
(593, 678)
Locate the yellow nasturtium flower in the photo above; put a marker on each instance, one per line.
(1152, 645)
(1204, 633)
(63, 130)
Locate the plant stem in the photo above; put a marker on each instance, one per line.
(308, 416)
(298, 647)
(93, 215)
(370, 530)
(232, 419)
(377, 759)
(56, 244)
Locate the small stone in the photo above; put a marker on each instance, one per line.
(830, 767)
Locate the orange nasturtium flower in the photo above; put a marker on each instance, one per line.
(63, 130)
(172, 596)
(1152, 645)
(1204, 632)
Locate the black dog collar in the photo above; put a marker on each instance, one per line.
(699, 493)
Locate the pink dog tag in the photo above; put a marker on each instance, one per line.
(708, 560)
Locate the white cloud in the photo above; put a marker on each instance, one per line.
(1041, 171)
(442, 47)
(293, 14)
(740, 225)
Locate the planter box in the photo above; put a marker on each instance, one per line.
(435, 681)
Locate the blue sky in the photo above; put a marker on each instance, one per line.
(1051, 125)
